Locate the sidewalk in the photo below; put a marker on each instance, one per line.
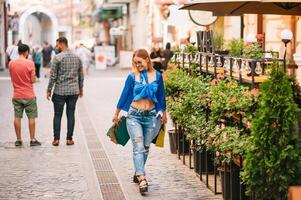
(88, 169)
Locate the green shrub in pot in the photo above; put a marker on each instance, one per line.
(253, 51)
(236, 47)
(273, 153)
(218, 41)
(228, 97)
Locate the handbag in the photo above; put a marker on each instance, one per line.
(119, 133)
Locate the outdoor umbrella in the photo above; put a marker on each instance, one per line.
(240, 7)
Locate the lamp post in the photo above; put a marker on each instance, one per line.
(286, 36)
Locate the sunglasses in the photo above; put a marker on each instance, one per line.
(137, 63)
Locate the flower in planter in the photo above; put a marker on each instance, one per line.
(255, 91)
(220, 76)
(229, 84)
(225, 136)
(213, 82)
(233, 99)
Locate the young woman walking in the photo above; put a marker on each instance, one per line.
(143, 97)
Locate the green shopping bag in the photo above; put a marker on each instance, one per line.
(118, 133)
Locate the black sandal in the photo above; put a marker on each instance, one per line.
(135, 178)
(143, 186)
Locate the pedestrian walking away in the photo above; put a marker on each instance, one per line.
(143, 98)
(167, 54)
(22, 73)
(47, 54)
(12, 51)
(37, 59)
(157, 58)
(85, 56)
(66, 77)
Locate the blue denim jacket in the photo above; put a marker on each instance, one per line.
(127, 96)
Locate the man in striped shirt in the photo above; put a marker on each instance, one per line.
(67, 78)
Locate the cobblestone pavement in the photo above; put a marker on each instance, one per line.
(67, 172)
(44, 172)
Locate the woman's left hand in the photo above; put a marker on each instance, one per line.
(164, 118)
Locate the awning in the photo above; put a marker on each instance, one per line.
(110, 11)
(171, 2)
(240, 7)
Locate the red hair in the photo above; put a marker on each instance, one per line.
(142, 53)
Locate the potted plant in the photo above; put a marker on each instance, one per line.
(236, 47)
(273, 152)
(253, 51)
(229, 98)
(218, 44)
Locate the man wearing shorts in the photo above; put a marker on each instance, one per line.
(22, 73)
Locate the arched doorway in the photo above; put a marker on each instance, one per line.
(38, 24)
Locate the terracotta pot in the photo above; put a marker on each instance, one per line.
(294, 192)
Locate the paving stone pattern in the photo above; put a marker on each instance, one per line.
(44, 172)
(168, 177)
(94, 168)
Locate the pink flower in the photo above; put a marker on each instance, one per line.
(220, 76)
(260, 37)
(229, 83)
(248, 43)
(214, 82)
(249, 124)
(233, 99)
(246, 94)
(225, 136)
(255, 91)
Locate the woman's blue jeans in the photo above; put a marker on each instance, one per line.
(141, 127)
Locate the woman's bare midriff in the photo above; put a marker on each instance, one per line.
(143, 104)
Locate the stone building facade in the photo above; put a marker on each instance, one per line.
(37, 21)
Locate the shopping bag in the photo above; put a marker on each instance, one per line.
(119, 133)
(160, 133)
(160, 137)
(111, 134)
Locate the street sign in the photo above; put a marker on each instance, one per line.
(104, 56)
(100, 57)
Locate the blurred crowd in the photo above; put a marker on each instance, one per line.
(43, 55)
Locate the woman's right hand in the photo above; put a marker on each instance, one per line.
(115, 119)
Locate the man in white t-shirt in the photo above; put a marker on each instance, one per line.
(12, 51)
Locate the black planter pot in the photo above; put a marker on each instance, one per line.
(186, 144)
(223, 53)
(206, 161)
(231, 188)
(172, 141)
(196, 161)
